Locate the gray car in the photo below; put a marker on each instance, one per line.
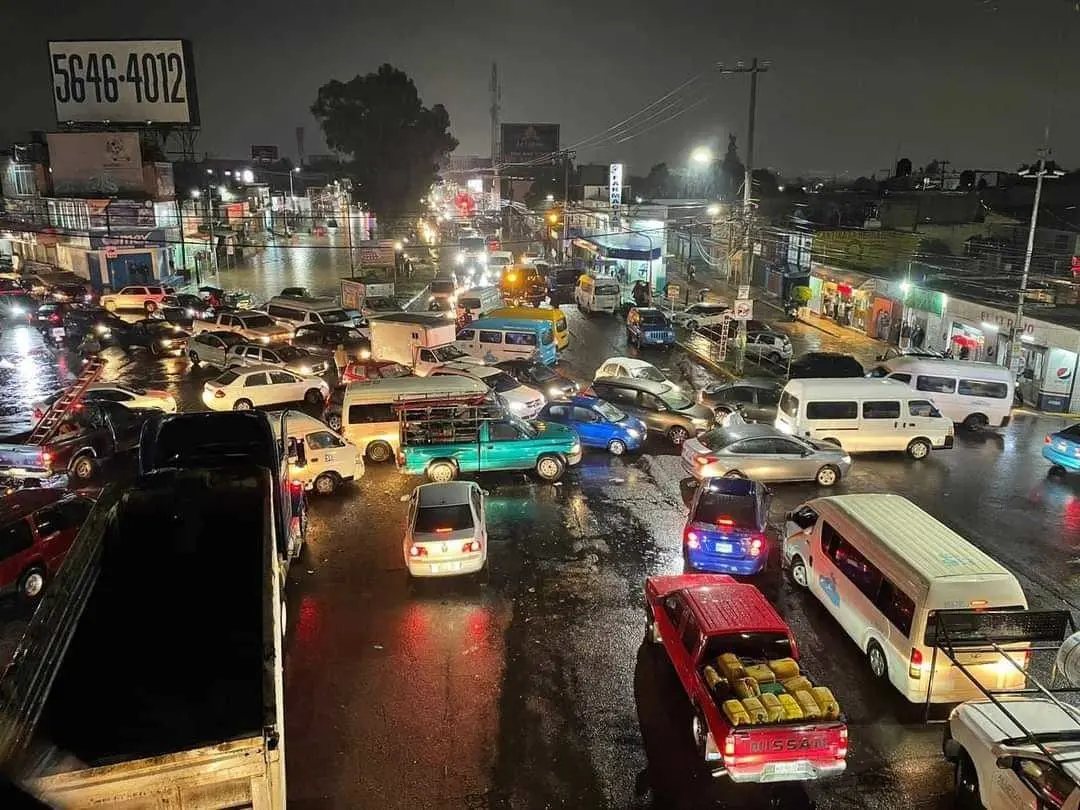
(763, 453)
(212, 348)
(660, 405)
(298, 361)
(756, 398)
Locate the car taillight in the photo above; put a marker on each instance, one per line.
(55, 318)
(691, 539)
(1046, 439)
(38, 413)
(703, 460)
(915, 667)
(219, 394)
(729, 751)
(417, 551)
(841, 749)
(725, 521)
(756, 545)
(470, 547)
(296, 486)
(46, 457)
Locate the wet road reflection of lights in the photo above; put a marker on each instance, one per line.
(308, 621)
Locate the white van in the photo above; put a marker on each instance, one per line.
(597, 294)
(479, 301)
(369, 421)
(976, 395)
(294, 312)
(863, 416)
(882, 567)
(325, 459)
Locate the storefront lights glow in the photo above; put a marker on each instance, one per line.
(989, 327)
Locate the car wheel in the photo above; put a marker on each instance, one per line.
(150, 306)
(242, 405)
(733, 474)
(827, 476)
(334, 421)
(83, 468)
(678, 435)
(966, 785)
(692, 325)
(699, 730)
(194, 358)
(441, 472)
(313, 397)
(110, 306)
(616, 447)
(879, 665)
(773, 357)
(377, 451)
(976, 421)
(799, 575)
(326, 483)
(652, 633)
(918, 449)
(32, 583)
(156, 350)
(550, 468)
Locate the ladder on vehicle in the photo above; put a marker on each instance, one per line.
(47, 425)
(725, 332)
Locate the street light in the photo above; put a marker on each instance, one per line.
(195, 193)
(713, 210)
(551, 198)
(248, 176)
(702, 155)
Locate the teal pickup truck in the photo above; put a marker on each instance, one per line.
(442, 448)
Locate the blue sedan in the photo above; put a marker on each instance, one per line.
(725, 530)
(598, 423)
(1062, 449)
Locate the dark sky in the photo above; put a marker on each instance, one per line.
(853, 83)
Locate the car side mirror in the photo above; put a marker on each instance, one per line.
(1005, 763)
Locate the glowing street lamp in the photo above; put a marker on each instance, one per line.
(702, 155)
(713, 210)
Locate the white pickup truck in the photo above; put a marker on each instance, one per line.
(252, 325)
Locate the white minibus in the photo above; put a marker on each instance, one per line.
(863, 416)
(369, 421)
(597, 294)
(972, 394)
(882, 567)
(479, 301)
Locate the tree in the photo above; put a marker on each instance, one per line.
(732, 171)
(967, 179)
(657, 184)
(764, 184)
(390, 141)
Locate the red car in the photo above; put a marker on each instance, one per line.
(37, 527)
(367, 370)
(757, 717)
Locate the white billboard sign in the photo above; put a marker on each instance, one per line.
(615, 175)
(104, 163)
(124, 81)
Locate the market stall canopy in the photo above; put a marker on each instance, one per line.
(628, 246)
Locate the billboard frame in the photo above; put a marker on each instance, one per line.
(511, 158)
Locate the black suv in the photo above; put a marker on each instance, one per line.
(324, 338)
(825, 365)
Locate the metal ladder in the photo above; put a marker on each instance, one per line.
(725, 331)
(46, 427)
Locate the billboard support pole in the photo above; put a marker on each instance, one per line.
(495, 96)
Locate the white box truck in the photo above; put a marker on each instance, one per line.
(420, 341)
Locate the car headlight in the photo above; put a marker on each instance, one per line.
(517, 407)
(633, 433)
(554, 392)
(166, 342)
(17, 311)
(306, 370)
(365, 354)
(265, 339)
(101, 329)
(575, 448)
(459, 259)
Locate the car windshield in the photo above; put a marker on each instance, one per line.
(541, 373)
(501, 382)
(676, 400)
(609, 411)
(380, 303)
(654, 318)
(718, 508)
(442, 286)
(499, 261)
(290, 353)
(472, 243)
(227, 377)
(445, 354)
(648, 373)
(439, 519)
(523, 427)
(257, 321)
(231, 338)
(334, 316)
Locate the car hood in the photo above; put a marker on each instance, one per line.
(696, 411)
(521, 393)
(268, 330)
(632, 422)
(553, 431)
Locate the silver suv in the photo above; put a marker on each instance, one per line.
(296, 360)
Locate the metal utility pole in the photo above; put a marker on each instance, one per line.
(496, 96)
(746, 268)
(567, 157)
(1018, 323)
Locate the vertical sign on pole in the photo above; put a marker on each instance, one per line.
(615, 177)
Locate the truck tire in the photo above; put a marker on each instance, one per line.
(150, 306)
(699, 732)
(918, 449)
(799, 573)
(82, 468)
(879, 664)
(32, 583)
(327, 483)
(966, 786)
(440, 472)
(334, 421)
(550, 468)
(379, 452)
(313, 397)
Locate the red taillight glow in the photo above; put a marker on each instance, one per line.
(55, 318)
(471, 547)
(725, 521)
(704, 460)
(915, 667)
(443, 530)
(46, 457)
(841, 750)
(755, 546)
(691, 539)
(729, 751)
(219, 394)
(417, 551)
(1046, 439)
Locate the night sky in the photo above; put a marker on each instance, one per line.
(853, 84)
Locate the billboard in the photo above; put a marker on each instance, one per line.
(529, 143)
(147, 81)
(264, 153)
(105, 163)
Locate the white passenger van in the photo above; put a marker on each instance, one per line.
(324, 459)
(882, 567)
(369, 421)
(479, 301)
(294, 312)
(597, 294)
(976, 395)
(863, 416)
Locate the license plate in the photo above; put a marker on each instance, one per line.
(445, 567)
(724, 548)
(797, 768)
(58, 331)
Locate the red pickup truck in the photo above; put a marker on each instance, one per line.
(757, 716)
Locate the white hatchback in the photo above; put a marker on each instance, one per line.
(261, 386)
(631, 367)
(446, 533)
(522, 400)
(702, 314)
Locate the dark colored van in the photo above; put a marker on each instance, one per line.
(37, 527)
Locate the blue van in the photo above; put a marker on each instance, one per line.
(496, 339)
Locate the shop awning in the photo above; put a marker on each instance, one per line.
(628, 246)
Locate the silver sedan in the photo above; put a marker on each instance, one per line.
(763, 453)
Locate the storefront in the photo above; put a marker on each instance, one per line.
(975, 332)
(921, 317)
(630, 256)
(120, 259)
(1048, 366)
(843, 296)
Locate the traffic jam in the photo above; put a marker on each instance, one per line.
(473, 388)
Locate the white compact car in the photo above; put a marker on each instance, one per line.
(697, 315)
(446, 532)
(522, 400)
(631, 367)
(146, 298)
(242, 389)
(126, 395)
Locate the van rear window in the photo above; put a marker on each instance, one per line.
(972, 622)
(832, 410)
(789, 405)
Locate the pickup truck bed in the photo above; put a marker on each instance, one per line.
(168, 654)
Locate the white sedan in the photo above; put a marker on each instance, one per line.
(126, 395)
(632, 368)
(446, 532)
(702, 314)
(242, 389)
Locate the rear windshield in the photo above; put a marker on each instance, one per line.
(715, 439)
(930, 639)
(334, 316)
(655, 318)
(469, 303)
(712, 506)
(290, 353)
(472, 243)
(648, 373)
(750, 646)
(606, 289)
(432, 519)
(227, 377)
(676, 400)
(257, 321)
(441, 286)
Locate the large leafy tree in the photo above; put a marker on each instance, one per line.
(391, 142)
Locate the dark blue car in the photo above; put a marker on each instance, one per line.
(1062, 449)
(598, 423)
(648, 326)
(725, 530)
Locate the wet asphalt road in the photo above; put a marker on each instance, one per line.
(535, 690)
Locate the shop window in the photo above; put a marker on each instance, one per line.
(935, 385)
(982, 388)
